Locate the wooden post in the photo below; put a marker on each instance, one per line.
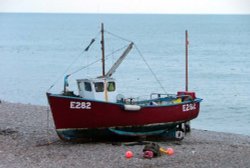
(188, 123)
(103, 64)
(103, 50)
(187, 43)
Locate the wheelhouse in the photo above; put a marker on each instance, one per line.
(102, 89)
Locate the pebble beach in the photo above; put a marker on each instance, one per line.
(28, 139)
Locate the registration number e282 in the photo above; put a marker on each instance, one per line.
(188, 107)
(80, 105)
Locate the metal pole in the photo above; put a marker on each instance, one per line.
(103, 50)
(187, 43)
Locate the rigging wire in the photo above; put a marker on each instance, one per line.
(86, 66)
(76, 58)
(107, 57)
(117, 36)
(137, 49)
(116, 51)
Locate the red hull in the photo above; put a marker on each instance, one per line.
(79, 113)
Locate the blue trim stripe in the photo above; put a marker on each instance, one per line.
(128, 133)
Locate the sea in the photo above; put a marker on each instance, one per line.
(38, 50)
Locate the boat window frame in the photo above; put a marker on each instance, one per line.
(109, 86)
(99, 86)
(87, 86)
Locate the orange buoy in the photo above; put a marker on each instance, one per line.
(129, 154)
(170, 151)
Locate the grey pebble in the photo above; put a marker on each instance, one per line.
(25, 133)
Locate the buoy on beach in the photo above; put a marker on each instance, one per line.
(129, 154)
(170, 151)
(148, 154)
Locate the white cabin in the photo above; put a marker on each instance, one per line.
(102, 89)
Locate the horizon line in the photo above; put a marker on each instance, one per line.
(124, 13)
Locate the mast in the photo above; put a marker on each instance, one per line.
(186, 45)
(103, 63)
(103, 50)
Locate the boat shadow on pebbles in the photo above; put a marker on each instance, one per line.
(112, 140)
(8, 132)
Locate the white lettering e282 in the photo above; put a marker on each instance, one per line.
(188, 107)
(80, 105)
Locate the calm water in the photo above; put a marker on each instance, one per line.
(36, 49)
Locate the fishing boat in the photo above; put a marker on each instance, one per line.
(98, 110)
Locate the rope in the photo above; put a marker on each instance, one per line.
(150, 69)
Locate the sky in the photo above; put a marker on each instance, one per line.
(128, 6)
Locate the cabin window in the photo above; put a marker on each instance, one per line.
(111, 86)
(99, 86)
(87, 86)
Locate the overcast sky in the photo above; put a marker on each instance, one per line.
(128, 6)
